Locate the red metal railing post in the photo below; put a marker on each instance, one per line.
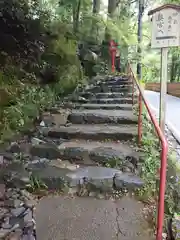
(140, 119)
(164, 152)
(162, 188)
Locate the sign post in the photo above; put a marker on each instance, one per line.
(165, 34)
(163, 87)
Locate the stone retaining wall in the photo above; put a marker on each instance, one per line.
(172, 88)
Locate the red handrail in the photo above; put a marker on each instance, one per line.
(164, 152)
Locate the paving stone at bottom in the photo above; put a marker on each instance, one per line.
(66, 218)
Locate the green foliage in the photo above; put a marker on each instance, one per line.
(36, 184)
(151, 159)
(35, 44)
(33, 99)
(151, 171)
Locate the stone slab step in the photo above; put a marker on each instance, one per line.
(103, 116)
(113, 95)
(96, 132)
(88, 178)
(103, 106)
(105, 95)
(116, 82)
(110, 88)
(119, 154)
(91, 219)
(111, 100)
(90, 153)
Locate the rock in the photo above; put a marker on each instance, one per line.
(16, 212)
(26, 195)
(12, 203)
(6, 224)
(2, 191)
(28, 217)
(15, 235)
(12, 194)
(1, 160)
(17, 203)
(47, 120)
(45, 151)
(127, 180)
(98, 176)
(86, 95)
(51, 176)
(30, 203)
(42, 124)
(36, 141)
(3, 212)
(79, 99)
(5, 232)
(14, 148)
(21, 178)
(28, 237)
(7, 156)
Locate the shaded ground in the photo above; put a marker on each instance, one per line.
(91, 219)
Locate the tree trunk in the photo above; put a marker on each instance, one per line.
(112, 4)
(96, 9)
(76, 15)
(96, 6)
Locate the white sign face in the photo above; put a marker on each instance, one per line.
(165, 28)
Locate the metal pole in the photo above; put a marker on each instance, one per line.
(162, 112)
(139, 33)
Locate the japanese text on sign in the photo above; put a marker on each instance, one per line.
(165, 28)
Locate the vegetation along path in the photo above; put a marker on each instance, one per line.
(85, 156)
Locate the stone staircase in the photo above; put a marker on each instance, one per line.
(85, 151)
(97, 141)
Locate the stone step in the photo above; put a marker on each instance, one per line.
(110, 88)
(111, 100)
(95, 132)
(85, 179)
(115, 82)
(113, 95)
(103, 116)
(119, 155)
(101, 106)
(90, 95)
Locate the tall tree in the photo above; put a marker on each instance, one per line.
(96, 6)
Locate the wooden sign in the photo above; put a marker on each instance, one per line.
(165, 28)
